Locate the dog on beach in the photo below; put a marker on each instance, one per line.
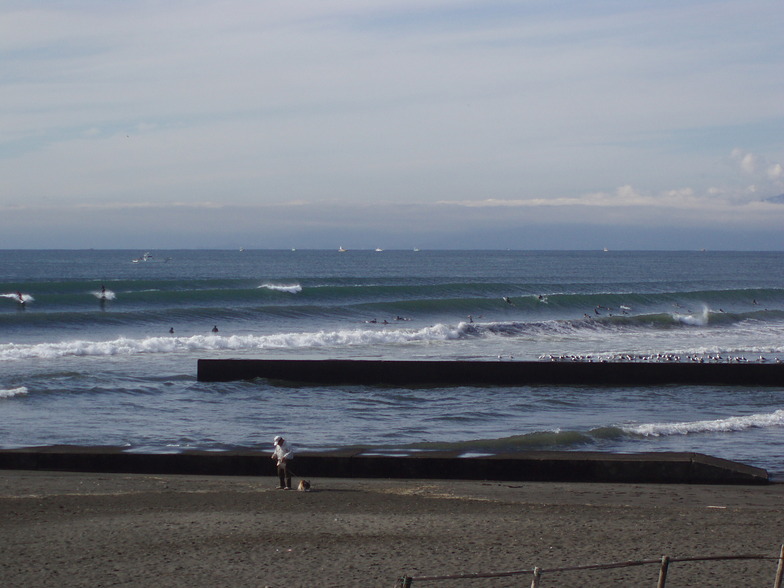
(304, 486)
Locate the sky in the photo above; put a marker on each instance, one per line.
(462, 124)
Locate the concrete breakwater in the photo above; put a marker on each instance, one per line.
(543, 466)
(505, 373)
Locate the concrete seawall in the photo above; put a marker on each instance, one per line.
(507, 373)
(670, 468)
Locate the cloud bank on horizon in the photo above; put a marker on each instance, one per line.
(437, 123)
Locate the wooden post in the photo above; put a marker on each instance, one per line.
(665, 563)
(404, 582)
(780, 570)
(537, 575)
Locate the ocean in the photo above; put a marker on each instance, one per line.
(103, 350)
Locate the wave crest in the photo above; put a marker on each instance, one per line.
(288, 288)
(10, 393)
(127, 346)
(728, 425)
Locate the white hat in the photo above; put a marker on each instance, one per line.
(276, 439)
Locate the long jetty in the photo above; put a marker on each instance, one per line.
(539, 466)
(503, 373)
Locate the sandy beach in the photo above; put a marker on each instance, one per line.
(78, 529)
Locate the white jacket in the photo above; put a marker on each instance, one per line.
(283, 452)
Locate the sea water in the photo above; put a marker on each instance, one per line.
(103, 350)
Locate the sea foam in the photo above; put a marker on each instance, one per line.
(128, 346)
(728, 425)
(13, 392)
(105, 295)
(15, 296)
(291, 288)
(695, 320)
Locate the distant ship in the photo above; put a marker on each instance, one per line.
(341, 250)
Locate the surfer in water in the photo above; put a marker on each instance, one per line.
(19, 297)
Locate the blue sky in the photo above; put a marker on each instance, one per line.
(490, 124)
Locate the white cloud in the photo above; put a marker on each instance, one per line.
(679, 199)
(768, 176)
(748, 163)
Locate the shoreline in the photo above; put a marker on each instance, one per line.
(77, 529)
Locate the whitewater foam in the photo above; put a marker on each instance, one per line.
(16, 296)
(128, 346)
(13, 392)
(695, 320)
(291, 288)
(105, 295)
(728, 425)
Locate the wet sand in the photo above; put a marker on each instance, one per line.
(82, 529)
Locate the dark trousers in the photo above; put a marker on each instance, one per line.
(284, 475)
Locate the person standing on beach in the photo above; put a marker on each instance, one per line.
(283, 454)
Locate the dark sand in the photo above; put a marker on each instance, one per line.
(76, 529)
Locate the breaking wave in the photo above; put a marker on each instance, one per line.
(129, 346)
(375, 334)
(291, 289)
(16, 296)
(13, 392)
(728, 425)
(561, 439)
(104, 295)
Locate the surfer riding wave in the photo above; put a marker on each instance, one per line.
(18, 297)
